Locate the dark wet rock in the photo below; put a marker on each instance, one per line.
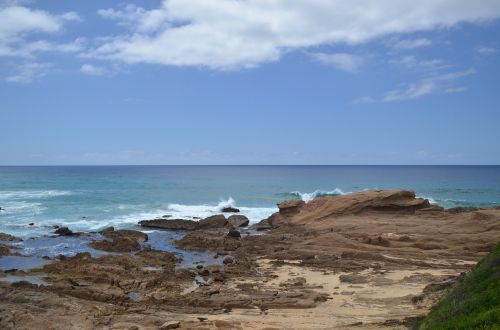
(230, 210)
(55, 226)
(169, 224)
(63, 231)
(233, 234)
(31, 224)
(238, 221)
(215, 221)
(9, 238)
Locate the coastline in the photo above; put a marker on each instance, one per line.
(371, 259)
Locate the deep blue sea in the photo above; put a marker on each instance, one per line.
(88, 198)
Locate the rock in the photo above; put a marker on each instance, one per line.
(169, 224)
(63, 231)
(121, 240)
(234, 234)
(2, 209)
(9, 238)
(460, 209)
(212, 239)
(230, 209)
(4, 251)
(107, 230)
(290, 206)
(133, 234)
(229, 260)
(119, 244)
(170, 325)
(434, 287)
(31, 224)
(236, 221)
(262, 225)
(215, 221)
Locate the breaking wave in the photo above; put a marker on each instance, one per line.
(306, 197)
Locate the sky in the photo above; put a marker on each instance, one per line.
(239, 82)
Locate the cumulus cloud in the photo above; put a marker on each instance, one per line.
(231, 34)
(342, 61)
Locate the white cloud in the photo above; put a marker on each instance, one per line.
(17, 23)
(431, 85)
(487, 50)
(29, 72)
(343, 61)
(412, 62)
(434, 84)
(93, 70)
(412, 43)
(231, 34)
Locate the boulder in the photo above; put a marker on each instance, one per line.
(63, 231)
(169, 224)
(230, 209)
(215, 221)
(237, 221)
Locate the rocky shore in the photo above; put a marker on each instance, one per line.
(367, 260)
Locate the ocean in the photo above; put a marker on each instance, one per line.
(89, 198)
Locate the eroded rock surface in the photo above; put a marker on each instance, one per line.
(387, 253)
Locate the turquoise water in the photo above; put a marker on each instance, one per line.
(89, 198)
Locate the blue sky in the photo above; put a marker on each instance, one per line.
(249, 82)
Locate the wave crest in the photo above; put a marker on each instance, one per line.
(32, 194)
(306, 197)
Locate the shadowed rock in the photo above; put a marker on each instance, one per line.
(237, 221)
(230, 209)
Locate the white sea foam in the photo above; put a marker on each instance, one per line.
(306, 197)
(183, 211)
(32, 194)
